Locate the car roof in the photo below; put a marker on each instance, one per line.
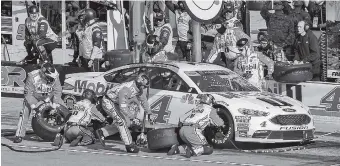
(189, 66)
(178, 66)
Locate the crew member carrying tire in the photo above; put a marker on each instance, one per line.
(42, 85)
(39, 35)
(115, 103)
(76, 130)
(191, 130)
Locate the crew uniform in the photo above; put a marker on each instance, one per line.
(76, 130)
(115, 103)
(159, 42)
(183, 25)
(230, 32)
(251, 63)
(191, 132)
(41, 85)
(91, 42)
(39, 35)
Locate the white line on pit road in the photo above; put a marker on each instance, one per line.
(141, 156)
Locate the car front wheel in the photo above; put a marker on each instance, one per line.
(222, 138)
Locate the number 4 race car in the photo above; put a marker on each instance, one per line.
(249, 114)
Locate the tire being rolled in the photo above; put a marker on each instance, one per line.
(287, 73)
(43, 129)
(162, 138)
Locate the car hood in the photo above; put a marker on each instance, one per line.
(263, 101)
(84, 75)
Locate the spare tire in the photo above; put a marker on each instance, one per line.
(162, 138)
(47, 126)
(288, 73)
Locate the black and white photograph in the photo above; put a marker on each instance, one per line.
(170, 82)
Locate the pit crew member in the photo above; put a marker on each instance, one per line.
(78, 34)
(42, 85)
(91, 42)
(250, 64)
(183, 23)
(192, 127)
(115, 103)
(230, 32)
(159, 40)
(76, 130)
(39, 35)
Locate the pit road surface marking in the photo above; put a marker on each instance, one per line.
(134, 155)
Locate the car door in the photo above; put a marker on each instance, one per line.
(169, 95)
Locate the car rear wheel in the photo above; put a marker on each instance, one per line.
(213, 133)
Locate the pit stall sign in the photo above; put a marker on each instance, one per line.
(322, 98)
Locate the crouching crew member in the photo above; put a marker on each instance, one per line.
(42, 85)
(193, 126)
(76, 130)
(115, 103)
(39, 35)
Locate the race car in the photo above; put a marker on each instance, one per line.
(249, 114)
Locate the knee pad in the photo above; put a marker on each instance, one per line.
(207, 150)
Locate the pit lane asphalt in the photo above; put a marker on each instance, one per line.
(328, 153)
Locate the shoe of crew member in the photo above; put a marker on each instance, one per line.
(59, 140)
(188, 152)
(132, 148)
(101, 137)
(17, 139)
(174, 150)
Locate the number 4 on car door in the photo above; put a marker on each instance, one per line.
(160, 107)
(332, 100)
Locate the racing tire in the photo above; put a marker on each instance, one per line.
(228, 142)
(162, 138)
(287, 73)
(42, 128)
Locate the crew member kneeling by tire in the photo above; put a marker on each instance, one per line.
(76, 130)
(41, 85)
(115, 104)
(192, 127)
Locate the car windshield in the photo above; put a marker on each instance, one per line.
(219, 81)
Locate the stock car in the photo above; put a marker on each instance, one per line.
(249, 114)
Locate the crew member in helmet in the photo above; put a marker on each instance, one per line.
(42, 85)
(39, 35)
(91, 48)
(159, 41)
(229, 33)
(115, 103)
(76, 130)
(250, 64)
(191, 129)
